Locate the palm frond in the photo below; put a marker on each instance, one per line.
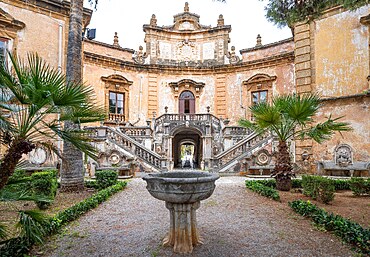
(324, 131)
(31, 225)
(3, 231)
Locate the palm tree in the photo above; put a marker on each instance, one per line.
(35, 100)
(291, 117)
(72, 172)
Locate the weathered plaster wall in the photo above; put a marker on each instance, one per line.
(238, 97)
(108, 50)
(356, 112)
(341, 45)
(41, 33)
(269, 50)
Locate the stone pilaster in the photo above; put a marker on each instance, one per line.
(305, 80)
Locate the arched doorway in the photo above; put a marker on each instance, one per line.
(187, 102)
(187, 149)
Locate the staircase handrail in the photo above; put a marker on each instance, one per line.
(137, 145)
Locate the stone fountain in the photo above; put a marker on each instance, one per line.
(182, 192)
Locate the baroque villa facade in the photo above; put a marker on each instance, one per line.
(184, 90)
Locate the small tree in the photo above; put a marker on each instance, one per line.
(291, 117)
(36, 99)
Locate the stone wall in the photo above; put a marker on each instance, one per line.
(332, 59)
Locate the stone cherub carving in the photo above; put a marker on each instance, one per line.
(233, 58)
(343, 155)
(140, 56)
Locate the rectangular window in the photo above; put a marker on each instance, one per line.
(259, 97)
(3, 48)
(116, 103)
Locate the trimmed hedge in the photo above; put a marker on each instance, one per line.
(45, 184)
(360, 186)
(17, 247)
(106, 178)
(319, 188)
(256, 186)
(349, 231)
(296, 183)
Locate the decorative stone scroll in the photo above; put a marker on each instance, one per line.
(187, 84)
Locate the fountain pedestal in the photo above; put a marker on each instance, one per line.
(182, 192)
(183, 234)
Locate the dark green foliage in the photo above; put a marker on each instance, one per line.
(360, 186)
(287, 12)
(267, 182)
(17, 247)
(319, 188)
(77, 210)
(341, 184)
(267, 191)
(347, 230)
(91, 184)
(106, 178)
(296, 183)
(45, 184)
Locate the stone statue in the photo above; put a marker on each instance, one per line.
(153, 20)
(233, 58)
(140, 56)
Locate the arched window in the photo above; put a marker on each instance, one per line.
(186, 102)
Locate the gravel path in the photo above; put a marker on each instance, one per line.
(233, 222)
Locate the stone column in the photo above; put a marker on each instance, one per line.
(183, 234)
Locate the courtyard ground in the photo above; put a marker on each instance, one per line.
(233, 222)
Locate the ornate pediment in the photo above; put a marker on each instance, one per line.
(116, 81)
(187, 84)
(8, 22)
(259, 80)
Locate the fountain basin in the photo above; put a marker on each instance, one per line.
(182, 192)
(181, 187)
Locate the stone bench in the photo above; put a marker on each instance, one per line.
(356, 169)
(123, 171)
(261, 169)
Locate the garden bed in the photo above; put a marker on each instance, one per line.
(345, 204)
(62, 201)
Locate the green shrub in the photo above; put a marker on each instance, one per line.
(341, 184)
(45, 184)
(91, 184)
(296, 183)
(18, 247)
(349, 231)
(319, 188)
(267, 182)
(256, 186)
(106, 178)
(360, 186)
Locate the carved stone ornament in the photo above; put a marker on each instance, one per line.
(343, 155)
(139, 56)
(114, 159)
(187, 84)
(233, 58)
(263, 158)
(38, 156)
(186, 50)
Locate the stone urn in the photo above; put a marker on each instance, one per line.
(182, 192)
